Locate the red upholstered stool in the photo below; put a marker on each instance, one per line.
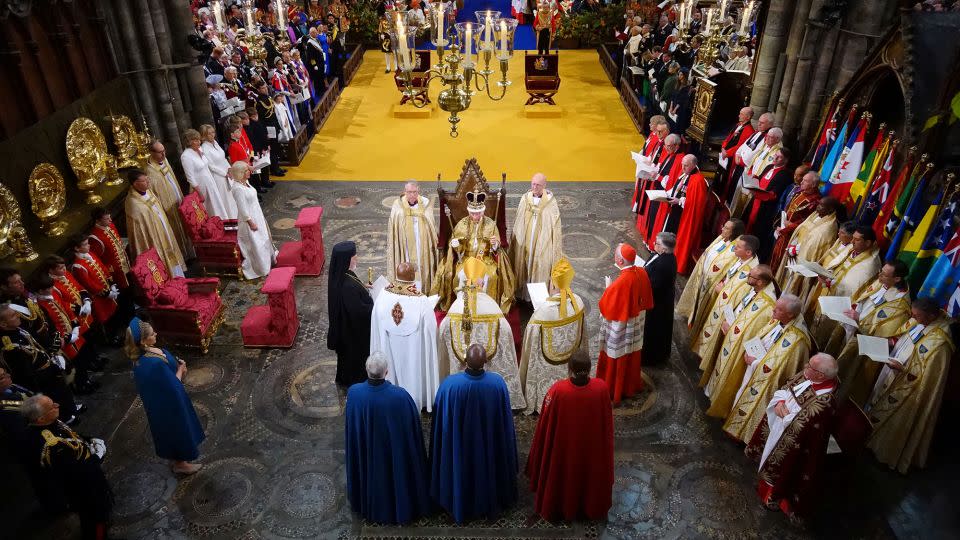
(276, 323)
(307, 255)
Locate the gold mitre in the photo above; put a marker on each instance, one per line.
(562, 276)
(476, 201)
(474, 269)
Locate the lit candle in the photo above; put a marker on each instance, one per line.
(709, 19)
(402, 46)
(469, 42)
(440, 41)
(218, 15)
(281, 15)
(503, 39)
(746, 18)
(488, 33)
(250, 20)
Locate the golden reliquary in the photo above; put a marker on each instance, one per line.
(87, 154)
(127, 141)
(13, 236)
(48, 197)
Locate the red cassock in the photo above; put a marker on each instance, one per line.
(61, 315)
(690, 231)
(729, 148)
(95, 278)
(759, 197)
(70, 293)
(621, 331)
(671, 167)
(571, 459)
(105, 243)
(651, 149)
(676, 187)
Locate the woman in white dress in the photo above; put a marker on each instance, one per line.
(197, 168)
(283, 116)
(253, 233)
(217, 159)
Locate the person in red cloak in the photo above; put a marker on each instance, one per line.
(791, 441)
(571, 459)
(105, 243)
(692, 202)
(728, 150)
(622, 307)
(653, 149)
(94, 276)
(669, 169)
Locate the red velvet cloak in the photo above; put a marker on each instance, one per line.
(571, 459)
(691, 222)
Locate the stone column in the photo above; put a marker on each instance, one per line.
(130, 58)
(196, 101)
(794, 41)
(771, 46)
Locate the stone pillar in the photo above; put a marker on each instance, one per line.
(794, 42)
(771, 46)
(816, 91)
(128, 53)
(34, 90)
(196, 101)
(864, 24)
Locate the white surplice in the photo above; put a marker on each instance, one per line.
(216, 198)
(256, 246)
(404, 328)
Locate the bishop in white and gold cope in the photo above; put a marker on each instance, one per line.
(537, 240)
(476, 236)
(412, 235)
(147, 224)
(554, 333)
(475, 318)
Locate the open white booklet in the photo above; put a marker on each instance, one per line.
(875, 348)
(810, 269)
(834, 308)
(538, 294)
(657, 195)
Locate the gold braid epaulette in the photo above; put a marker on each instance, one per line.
(74, 443)
(8, 344)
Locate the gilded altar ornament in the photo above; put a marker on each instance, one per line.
(48, 197)
(110, 171)
(144, 139)
(13, 237)
(87, 154)
(126, 140)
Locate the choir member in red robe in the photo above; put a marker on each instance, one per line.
(79, 353)
(105, 243)
(670, 169)
(728, 149)
(91, 273)
(652, 149)
(622, 308)
(69, 291)
(571, 459)
(791, 441)
(762, 211)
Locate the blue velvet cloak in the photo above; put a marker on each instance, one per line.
(473, 451)
(176, 430)
(385, 459)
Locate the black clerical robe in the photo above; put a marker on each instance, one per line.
(658, 324)
(350, 330)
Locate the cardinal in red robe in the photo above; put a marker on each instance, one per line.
(791, 441)
(571, 459)
(622, 307)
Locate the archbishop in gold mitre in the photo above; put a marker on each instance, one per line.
(475, 236)
(554, 333)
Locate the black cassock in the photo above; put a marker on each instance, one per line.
(658, 323)
(350, 306)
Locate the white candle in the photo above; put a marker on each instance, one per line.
(503, 39)
(402, 46)
(746, 18)
(488, 33)
(250, 21)
(709, 19)
(281, 22)
(218, 15)
(469, 42)
(440, 41)
(723, 10)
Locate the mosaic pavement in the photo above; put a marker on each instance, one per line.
(273, 458)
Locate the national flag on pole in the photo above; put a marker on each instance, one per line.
(889, 218)
(910, 218)
(827, 136)
(943, 278)
(879, 190)
(939, 231)
(830, 161)
(869, 168)
(848, 164)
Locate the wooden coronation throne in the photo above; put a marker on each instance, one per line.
(542, 77)
(453, 208)
(418, 79)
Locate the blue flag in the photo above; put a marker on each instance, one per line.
(831, 160)
(912, 216)
(943, 277)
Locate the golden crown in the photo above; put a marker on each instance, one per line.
(476, 201)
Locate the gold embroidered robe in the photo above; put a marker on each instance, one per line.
(698, 294)
(812, 239)
(537, 241)
(412, 238)
(147, 227)
(849, 277)
(548, 342)
(474, 241)
(735, 287)
(904, 405)
(164, 184)
(788, 352)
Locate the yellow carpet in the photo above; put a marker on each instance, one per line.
(590, 142)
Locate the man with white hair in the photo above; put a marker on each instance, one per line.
(685, 211)
(412, 235)
(669, 168)
(761, 159)
(386, 462)
(747, 151)
(728, 149)
(791, 441)
(537, 242)
(785, 343)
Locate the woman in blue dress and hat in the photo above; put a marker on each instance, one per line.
(176, 430)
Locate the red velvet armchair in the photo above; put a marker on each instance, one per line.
(184, 311)
(306, 255)
(216, 247)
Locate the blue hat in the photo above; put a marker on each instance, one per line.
(135, 329)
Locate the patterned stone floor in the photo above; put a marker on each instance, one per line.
(273, 458)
